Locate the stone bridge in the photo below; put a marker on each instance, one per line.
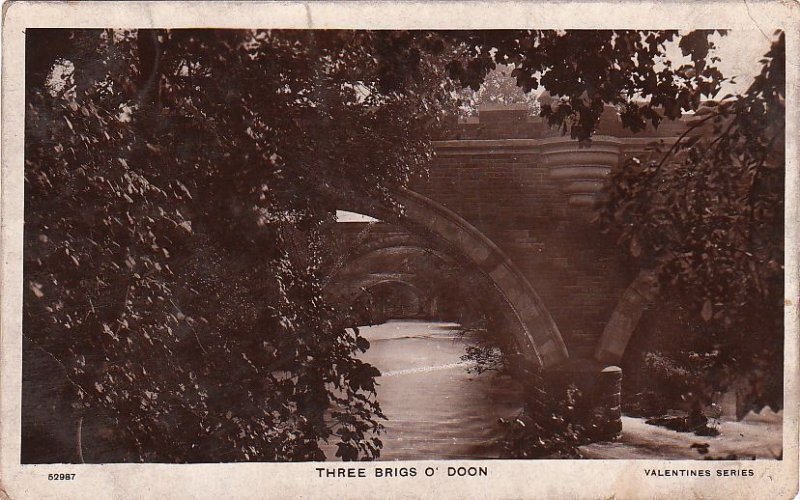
(509, 204)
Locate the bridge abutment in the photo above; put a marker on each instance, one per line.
(598, 401)
(584, 392)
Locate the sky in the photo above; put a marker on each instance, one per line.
(740, 52)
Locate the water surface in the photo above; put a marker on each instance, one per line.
(435, 408)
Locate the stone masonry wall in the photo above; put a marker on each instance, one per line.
(493, 172)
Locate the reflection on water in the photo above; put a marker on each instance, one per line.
(435, 409)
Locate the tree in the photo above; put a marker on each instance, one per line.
(178, 188)
(498, 88)
(706, 216)
(175, 193)
(587, 70)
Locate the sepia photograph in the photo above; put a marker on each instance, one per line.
(346, 244)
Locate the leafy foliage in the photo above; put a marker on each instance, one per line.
(178, 187)
(707, 216)
(174, 227)
(546, 428)
(549, 424)
(588, 69)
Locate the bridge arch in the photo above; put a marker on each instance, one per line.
(536, 336)
(620, 327)
(410, 299)
(408, 249)
(356, 287)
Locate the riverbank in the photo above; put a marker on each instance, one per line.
(756, 436)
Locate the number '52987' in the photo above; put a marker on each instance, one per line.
(60, 477)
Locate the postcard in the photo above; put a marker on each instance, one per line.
(399, 250)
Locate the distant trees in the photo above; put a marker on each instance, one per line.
(178, 187)
(498, 88)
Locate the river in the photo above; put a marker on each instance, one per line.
(435, 408)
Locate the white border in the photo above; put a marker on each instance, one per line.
(507, 479)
